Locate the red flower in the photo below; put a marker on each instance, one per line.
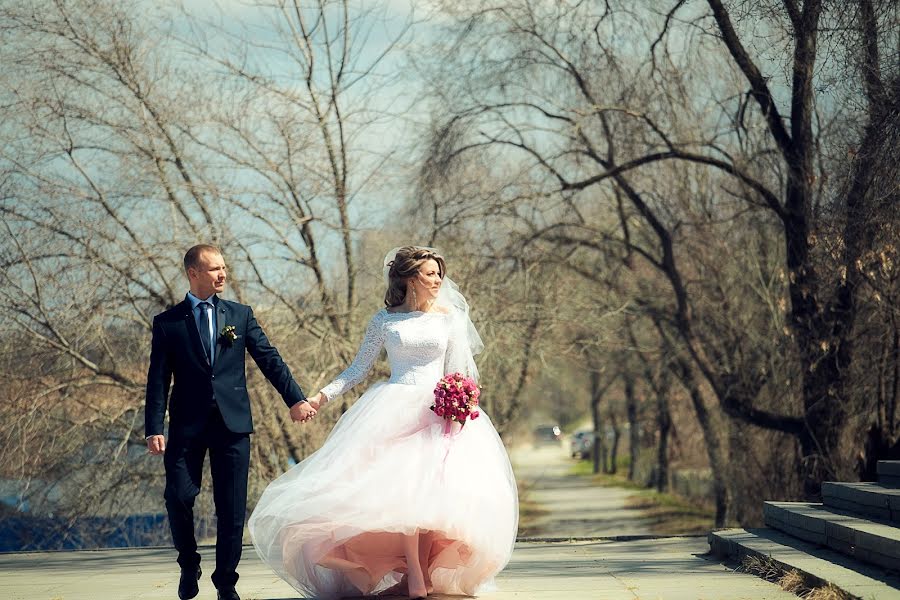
(455, 398)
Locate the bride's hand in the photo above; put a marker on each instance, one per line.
(317, 401)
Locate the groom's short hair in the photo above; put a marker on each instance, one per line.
(192, 256)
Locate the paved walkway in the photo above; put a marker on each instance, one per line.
(650, 568)
(646, 569)
(577, 508)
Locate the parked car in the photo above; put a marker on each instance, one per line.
(581, 445)
(547, 434)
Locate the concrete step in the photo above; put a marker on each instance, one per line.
(889, 472)
(819, 566)
(869, 541)
(868, 499)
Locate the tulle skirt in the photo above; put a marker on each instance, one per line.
(334, 524)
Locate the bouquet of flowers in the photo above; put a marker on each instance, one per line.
(456, 399)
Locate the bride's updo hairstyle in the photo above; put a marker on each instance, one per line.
(405, 265)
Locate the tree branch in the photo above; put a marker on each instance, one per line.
(758, 86)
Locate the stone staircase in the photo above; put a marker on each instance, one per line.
(851, 540)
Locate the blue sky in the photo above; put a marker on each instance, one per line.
(395, 98)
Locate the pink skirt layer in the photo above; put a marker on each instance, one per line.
(334, 524)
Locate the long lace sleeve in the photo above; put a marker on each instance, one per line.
(364, 361)
(459, 357)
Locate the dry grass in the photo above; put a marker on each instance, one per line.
(761, 567)
(672, 515)
(790, 581)
(529, 512)
(829, 592)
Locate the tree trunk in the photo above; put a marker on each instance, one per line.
(891, 408)
(658, 380)
(714, 452)
(664, 424)
(634, 444)
(614, 451)
(596, 395)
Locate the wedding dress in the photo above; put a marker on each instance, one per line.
(333, 525)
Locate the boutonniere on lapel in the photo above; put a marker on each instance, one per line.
(228, 335)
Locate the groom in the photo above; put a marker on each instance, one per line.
(201, 343)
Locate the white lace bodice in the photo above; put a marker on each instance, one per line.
(421, 348)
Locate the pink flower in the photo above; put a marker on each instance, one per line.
(455, 398)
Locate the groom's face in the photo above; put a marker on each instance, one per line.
(209, 276)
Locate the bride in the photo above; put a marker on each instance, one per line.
(391, 504)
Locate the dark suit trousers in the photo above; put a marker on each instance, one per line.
(229, 461)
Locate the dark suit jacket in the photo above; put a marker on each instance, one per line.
(176, 352)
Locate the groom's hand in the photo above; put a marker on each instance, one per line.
(156, 444)
(302, 412)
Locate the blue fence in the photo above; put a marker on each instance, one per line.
(22, 532)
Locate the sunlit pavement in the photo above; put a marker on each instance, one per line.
(651, 568)
(548, 569)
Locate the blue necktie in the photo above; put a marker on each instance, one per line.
(204, 330)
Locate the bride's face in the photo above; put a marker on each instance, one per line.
(427, 282)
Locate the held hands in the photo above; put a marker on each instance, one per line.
(156, 444)
(317, 401)
(305, 411)
(302, 412)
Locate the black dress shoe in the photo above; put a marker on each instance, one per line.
(228, 594)
(187, 585)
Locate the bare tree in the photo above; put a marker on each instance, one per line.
(117, 155)
(596, 119)
(656, 376)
